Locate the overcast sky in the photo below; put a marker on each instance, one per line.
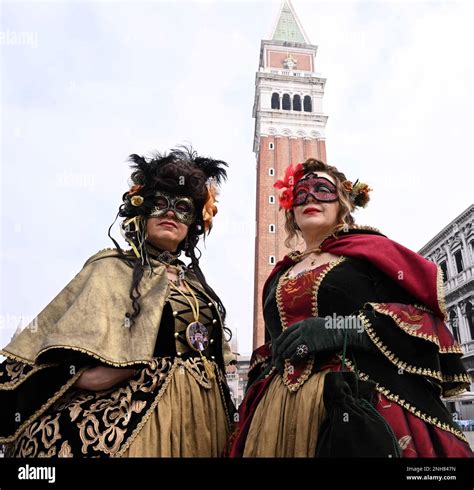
(85, 84)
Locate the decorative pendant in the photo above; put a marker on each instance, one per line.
(197, 336)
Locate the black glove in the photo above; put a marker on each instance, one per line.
(318, 334)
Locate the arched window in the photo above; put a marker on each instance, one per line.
(271, 260)
(271, 199)
(286, 102)
(459, 262)
(296, 103)
(271, 172)
(453, 321)
(271, 228)
(308, 107)
(271, 146)
(275, 101)
(445, 270)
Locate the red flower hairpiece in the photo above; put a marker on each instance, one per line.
(293, 173)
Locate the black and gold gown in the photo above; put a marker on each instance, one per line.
(172, 406)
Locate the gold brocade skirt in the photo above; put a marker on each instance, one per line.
(286, 423)
(188, 421)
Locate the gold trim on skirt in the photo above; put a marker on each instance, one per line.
(286, 423)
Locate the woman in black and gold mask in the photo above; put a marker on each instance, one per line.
(129, 359)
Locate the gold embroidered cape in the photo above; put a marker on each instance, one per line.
(83, 325)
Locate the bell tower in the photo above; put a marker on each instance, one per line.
(289, 128)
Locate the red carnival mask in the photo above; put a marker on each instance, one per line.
(320, 188)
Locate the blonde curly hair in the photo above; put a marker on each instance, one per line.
(344, 216)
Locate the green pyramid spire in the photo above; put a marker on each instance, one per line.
(288, 27)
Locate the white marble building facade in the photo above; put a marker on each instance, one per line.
(453, 250)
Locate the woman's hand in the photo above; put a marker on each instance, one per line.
(102, 378)
(301, 333)
(319, 335)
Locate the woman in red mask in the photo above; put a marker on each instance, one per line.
(358, 352)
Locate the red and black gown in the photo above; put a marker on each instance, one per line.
(398, 296)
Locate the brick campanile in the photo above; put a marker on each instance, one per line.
(289, 128)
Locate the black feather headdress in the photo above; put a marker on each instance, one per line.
(181, 172)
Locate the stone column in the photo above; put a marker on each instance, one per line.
(449, 262)
(463, 304)
(461, 323)
(465, 250)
